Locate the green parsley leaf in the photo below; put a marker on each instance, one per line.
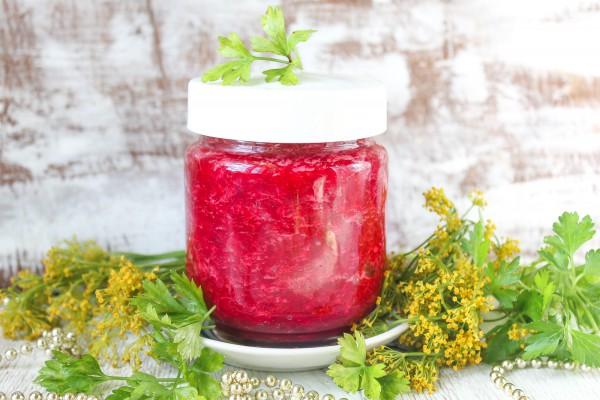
(543, 343)
(586, 348)
(189, 341)
(499, 346)
(348, 378)
(393, 384)
(570, 233)
(352, 373)
(477, 246)
(592, 265)
(297, 37)
(503, 280)
(369, 381)
(273, 23)
(231, 47)
(353, 349)
(199, 373)
(64, 373)
(284, 75)
(275, 43)
(543, 284)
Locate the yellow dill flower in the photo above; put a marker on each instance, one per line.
(490, 229)
(516, 332)
(507, 250)
(115, 315)
(477, 198)
(437, 202)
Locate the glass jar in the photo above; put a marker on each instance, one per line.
(287, 240)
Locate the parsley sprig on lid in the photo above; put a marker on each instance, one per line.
(275, 47)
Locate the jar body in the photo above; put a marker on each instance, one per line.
(286, 240)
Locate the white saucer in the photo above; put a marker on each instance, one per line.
(290, 359)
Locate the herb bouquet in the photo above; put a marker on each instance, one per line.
(464, 293)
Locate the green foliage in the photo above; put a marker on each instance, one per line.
(174, 315)
(64, 373)
(276, 47)
(352, 372)
(559, 300)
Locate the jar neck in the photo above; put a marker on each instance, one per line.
(241, 146)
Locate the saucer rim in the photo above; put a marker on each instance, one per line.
(370, 342)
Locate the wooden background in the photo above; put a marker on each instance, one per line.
(498, 95)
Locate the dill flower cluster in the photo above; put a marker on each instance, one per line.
(85, 289)
(441, 290)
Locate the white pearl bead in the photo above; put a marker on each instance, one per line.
(17, 396)
(226, 378)
(247, 387)
(499, 382)
(92, 398)
(507, 365)
(35, 395)
(552, 364)
(236, 388)
(508, 387)
(26, 348)
(10, 355)
(67, 396)
(585, 368)
(517, 393)
(521, 363)
(262, 395)
(278, 394)
(56, 332)
(298, 390)
(285, 385)
(536, 363)
(327, 397)
(52, 396)
(41, 343)
(242, 376)
(76, 351)
(46, 334)
(270, 381)
(569, 366)
(498, 369)
(254, 381)
(70, 336)
(81, 396)
(312, 395)
(3, 396)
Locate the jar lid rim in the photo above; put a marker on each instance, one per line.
(321, 108)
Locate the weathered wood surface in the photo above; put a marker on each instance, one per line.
(500, 95)
(470, 384)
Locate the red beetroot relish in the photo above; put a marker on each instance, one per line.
(286, 240)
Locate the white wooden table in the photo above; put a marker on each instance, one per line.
(471, 383)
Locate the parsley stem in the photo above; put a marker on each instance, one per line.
(272, 59)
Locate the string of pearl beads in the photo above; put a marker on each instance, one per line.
(238, 385)
(498, 373)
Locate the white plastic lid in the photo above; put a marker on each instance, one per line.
(321, 108)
